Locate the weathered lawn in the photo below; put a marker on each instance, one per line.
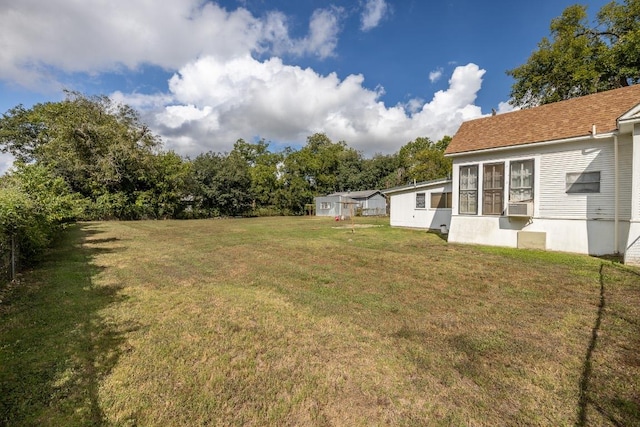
(290, 321)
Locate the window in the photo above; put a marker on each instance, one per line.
(583, 182)
(521, 181)
(440, 201)
(493, 189)
(468, 203)
(420, 201)
(325, 205)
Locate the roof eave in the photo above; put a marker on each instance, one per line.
(533, 144)
(417, 185)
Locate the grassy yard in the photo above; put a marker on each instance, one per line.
(292, 321)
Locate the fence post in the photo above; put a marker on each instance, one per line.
(13, 257)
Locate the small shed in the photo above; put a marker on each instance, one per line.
(421, 205)
(341, 204)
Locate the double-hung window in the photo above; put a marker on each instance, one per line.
(521, 181)
(468, 198)
(493, 189)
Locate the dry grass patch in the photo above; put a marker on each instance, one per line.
(289, 321)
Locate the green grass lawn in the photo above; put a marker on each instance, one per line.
(295, 321)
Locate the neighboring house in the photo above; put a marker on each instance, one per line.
(563, 176)
(370, 202)
(421, 205)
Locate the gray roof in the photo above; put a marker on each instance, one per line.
(366, 194)
(416, 185)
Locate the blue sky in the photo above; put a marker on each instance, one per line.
(373, 73)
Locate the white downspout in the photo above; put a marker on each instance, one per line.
(615, 199)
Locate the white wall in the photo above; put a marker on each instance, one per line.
(581, 223)
(403, 211)
(594, 237)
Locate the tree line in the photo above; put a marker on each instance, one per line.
(89, 158)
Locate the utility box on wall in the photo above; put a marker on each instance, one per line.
(532, 240)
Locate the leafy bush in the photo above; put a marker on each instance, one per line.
(34, 207)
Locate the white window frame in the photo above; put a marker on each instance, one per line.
(587, 182)
(518, 190)
(468, 189)
(421, 200)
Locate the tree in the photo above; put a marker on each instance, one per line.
(380, 171)
(263, 170)
(221, 184)
(34, 206)
(579, 59)
(104, 153)
(168, 184)
(423, 160)
(97, 146)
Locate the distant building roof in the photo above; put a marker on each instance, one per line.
(417, 185)
(559, 120)
(366, 194)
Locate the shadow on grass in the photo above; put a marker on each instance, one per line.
(438, 234)
(54, 346)
(610, 381)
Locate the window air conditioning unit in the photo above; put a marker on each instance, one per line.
(520, 209)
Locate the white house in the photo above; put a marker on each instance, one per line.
(563, 176)
(421, 205)
(369, 202)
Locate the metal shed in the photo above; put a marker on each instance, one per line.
(366, 203)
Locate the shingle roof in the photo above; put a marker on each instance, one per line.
(565, 119)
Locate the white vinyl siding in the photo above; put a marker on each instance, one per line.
(403, 211)
(555, 202)
(583, 182)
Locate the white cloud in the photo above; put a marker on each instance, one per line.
(373, 13)
(39, 39)
(324, 27)
(219, 91)
(435, 75)
(505, 107)
(214, 102)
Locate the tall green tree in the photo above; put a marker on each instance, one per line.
(380, 172)
(97, 146)
(103, 151)
(263, 170)
(578, 58)
(422, 160)
(167, 186)
(221, 184)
